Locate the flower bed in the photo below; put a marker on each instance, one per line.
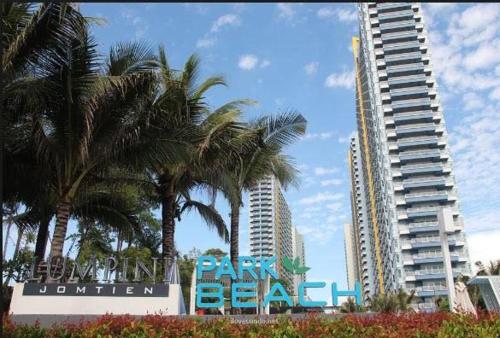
(378, 325)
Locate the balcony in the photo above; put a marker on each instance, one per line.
(403, 47)
(419, 155)
(421, 212)
(437, 196)
(397, 26)
(425, 182)
(384, 7)
(398, 16)
(430, 291)
(409, 93)
(395, 59)
(405, 81)
(411, 105)
(421, 169)
(399, 37)
(430, 274)
(417, 141)
(415, 228)
(405, 70)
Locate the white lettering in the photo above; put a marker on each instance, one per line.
(61, 289)
(148, 290)
(43, 290)
(130, 290)
(98, 289)
(114, 289)
(80, 290)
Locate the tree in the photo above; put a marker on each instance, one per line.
(216, 252)
(392, 302)
(30, 40)
(492, 269)
(265, 158)
(212, 139)
(350, 306)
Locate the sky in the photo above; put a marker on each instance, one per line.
(298, 56)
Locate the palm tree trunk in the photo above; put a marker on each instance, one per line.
(41, 239)
(235, 229)
(168, 225)
(62, 217)
(234, 245)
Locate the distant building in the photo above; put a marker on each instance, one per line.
(362, 240)
(298, 251)
(406, 162)
(271, 225)
(351, 255)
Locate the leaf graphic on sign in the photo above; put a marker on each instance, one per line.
(287, 263)
(302, 269)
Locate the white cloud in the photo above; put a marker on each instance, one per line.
(346, 15)
(495, 94)
(285, 11)
(333, 181)
(472, 101)
(311, 68)
(265, 63)
(248, 61)
(320, 197)
(206, 42)
(322, 136)
(343, 80)
(225, 20)
(139, 23)
(326, 12)
(342, 14)
(483, 246)
(320, 171)
(486, 55)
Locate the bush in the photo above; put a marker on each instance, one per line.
(419, 325)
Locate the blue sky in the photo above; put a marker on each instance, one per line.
(297, 56)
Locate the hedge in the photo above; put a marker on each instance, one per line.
(377, 325)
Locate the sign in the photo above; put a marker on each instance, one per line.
(30, 299)
(243, 294)
(96, 290)
(118, 289)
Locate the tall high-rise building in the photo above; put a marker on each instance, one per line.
(271, 225)
(407, 173)
(300, 252)
(363, 242)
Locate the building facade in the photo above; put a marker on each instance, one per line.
(360, 226)
(271, 225)
(407, 173)
(351, 255)
(300, 252)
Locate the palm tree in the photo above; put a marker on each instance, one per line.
(392, 302)
(29, 39)
(213, 139)
(265, 158)
(492, 269)
(350, 306)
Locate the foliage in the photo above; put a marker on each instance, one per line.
(379, 325)
(216, 252)
(350, 306)
(392, 302)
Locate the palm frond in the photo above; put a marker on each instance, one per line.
(128, 57)
(283, 129)
(213, 219)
